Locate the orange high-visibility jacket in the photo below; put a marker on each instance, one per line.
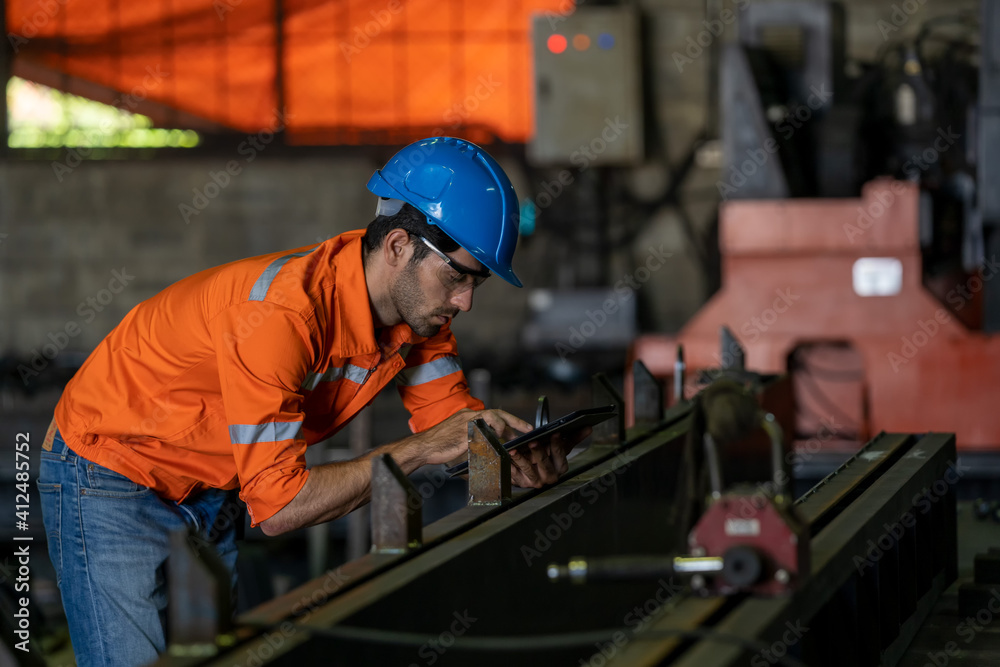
(222, 379)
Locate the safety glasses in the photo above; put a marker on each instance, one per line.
(453, 275)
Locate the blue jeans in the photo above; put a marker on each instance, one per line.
(109, 539)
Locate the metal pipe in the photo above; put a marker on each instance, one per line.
(712, 462)
(581, 570)
(679, 368)
(359, 439)
(773, 429)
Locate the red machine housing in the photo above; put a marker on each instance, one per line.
(756, 521)
(910, 362)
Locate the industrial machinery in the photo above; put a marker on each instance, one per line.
(748, 539)
(473, 587)
(856, 233)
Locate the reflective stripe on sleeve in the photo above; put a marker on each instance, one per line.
(348, 372)
(249, 434)
(432, 370)
(263, 284)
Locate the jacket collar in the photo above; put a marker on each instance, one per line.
(355, 328)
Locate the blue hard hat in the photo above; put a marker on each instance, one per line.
(462, 190)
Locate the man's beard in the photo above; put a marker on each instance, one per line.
(410, 303)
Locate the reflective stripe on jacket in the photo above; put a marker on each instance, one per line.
(222, 379)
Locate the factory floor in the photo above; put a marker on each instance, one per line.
(951, 638)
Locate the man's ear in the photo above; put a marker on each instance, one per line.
(397, 248)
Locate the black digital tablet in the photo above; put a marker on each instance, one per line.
(574, 421)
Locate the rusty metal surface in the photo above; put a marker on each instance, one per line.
(397, 524)
(489, 466)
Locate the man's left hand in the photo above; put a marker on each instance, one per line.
(539, 464)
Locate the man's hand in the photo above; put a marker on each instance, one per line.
(334, 489)
(450, 439)
(538, 464)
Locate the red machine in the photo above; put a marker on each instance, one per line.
(832, 292)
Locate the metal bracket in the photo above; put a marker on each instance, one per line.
(733, 355)
(647, 396)
(611, 432)
(489, 466)
(542, 412)
(397, 520)
(200, 594)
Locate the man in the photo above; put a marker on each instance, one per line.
(221, 381)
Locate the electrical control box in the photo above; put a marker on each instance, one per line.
(588, 88)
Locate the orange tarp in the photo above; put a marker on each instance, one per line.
(351, 70)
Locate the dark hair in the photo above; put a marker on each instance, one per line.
(414, 223)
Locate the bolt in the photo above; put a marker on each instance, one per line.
(782, 576)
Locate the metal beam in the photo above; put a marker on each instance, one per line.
(876, 573)
(489, 564)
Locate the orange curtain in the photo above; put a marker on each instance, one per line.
(351, 71)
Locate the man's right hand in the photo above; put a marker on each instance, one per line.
(450, 439)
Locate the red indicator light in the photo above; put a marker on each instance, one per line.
(557, 43)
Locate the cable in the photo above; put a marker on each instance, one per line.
(566, 640)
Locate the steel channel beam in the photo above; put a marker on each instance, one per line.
(895, 492)
(816, 507)
(483, 567)
(362, 583)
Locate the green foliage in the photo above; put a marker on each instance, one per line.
(42, 117)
